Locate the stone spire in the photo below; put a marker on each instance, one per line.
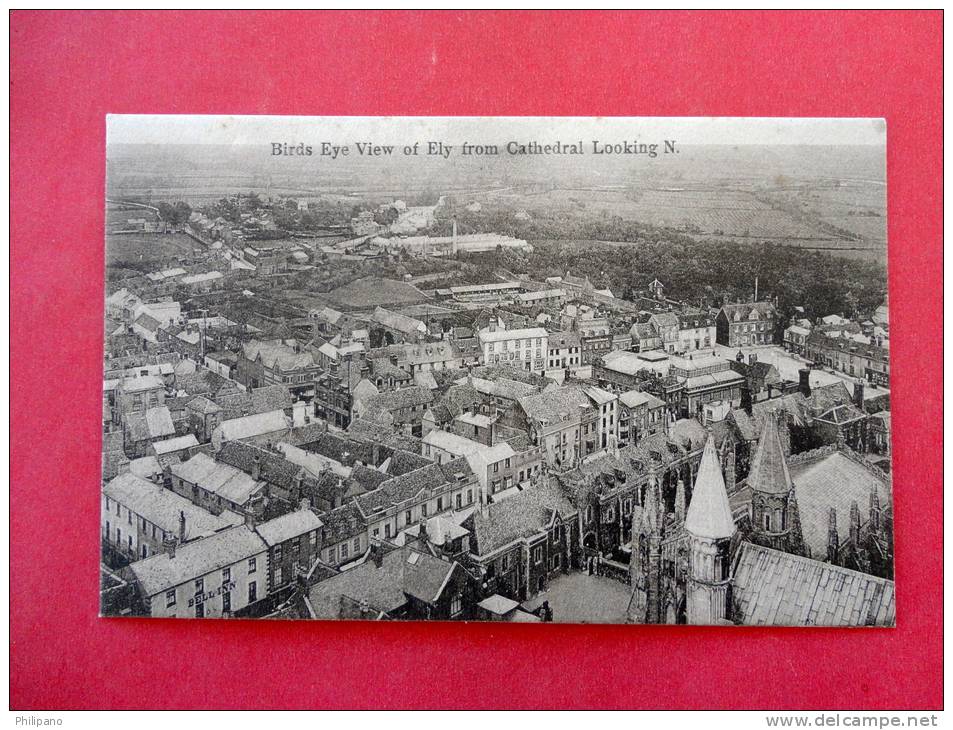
(709, 514)
(769, 469)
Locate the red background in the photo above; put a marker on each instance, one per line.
(69, 70)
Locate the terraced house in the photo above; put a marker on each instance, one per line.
(398, 503)
(754, 323)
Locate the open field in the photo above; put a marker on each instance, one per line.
(143, 247)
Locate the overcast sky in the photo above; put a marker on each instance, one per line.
(181, 129)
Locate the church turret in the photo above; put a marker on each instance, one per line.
(833, 539)
(873, 519)
(710, 526)
(680, 501)
(646, 561)
(772, 492)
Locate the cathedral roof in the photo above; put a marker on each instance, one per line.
(709, 514)
(769, 470)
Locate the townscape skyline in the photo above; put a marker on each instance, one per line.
(503, 393)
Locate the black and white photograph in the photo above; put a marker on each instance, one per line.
(515, 369)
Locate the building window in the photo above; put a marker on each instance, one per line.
(538, 554)
(199, 610)
(344, 551)
(439, 504)
(296, 546)
(226, 601)
(252, 565)
(277, 553)
(505, 564)
(456, 605)
(357, 545)
(423, 511)
(313, 539)
(279, 576)
(226, 575)
(252, 592)
(331, 555)
(128, 517)
(386, 534)
(169, 599)
(589, 513)
(469, 496)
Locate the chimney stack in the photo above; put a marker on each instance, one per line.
(256, 468)
(181, 526)
(169, 543)
(804, 382)
(752, 359)
(377, 553)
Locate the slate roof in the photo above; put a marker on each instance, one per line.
(694, 320)
(398, 322)
(220, 479)
(524, 514)
(155, 423)
(773, 588)
(744, 309)
(634, 398)
(160, 572)
(830, 478)
(175, 444)
(257, 424)
(288, 526)
(162, 507)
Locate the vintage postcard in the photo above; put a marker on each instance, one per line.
(616, 370)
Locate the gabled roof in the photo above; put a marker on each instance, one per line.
(744, 310)
(288, 526)
(525, 514)
(254, 425)
(386, 587)
(195, 559)
(709, 514)
(769, 469)
(162, 507)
